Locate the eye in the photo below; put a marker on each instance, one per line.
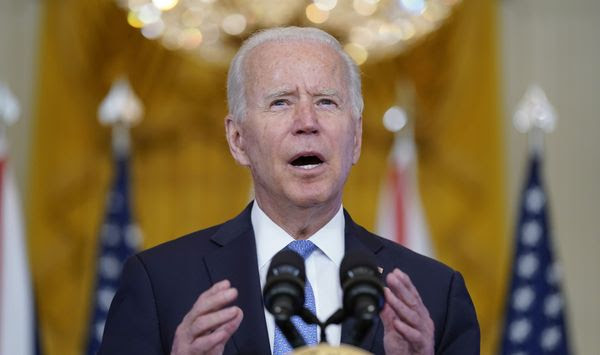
(327, 102)
(279, 103)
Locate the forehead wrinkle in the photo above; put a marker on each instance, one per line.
(328, 62)
(324, 92)
(280, 92)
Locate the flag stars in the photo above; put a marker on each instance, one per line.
(519, 330)
(105, 297)
(531, 233)
(553, 274)
(99, 329)
(527, 265)
(535, 321)
(110, 234)
(110, 266)
(119, 238)
(523, 298)
(133, 236)
(553, 305)
(550, 338)
(534, 199)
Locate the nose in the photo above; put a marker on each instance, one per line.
(305, 119)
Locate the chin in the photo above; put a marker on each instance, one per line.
(311, 198)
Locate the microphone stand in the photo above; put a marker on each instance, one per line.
(290, 332)
(359, 330)
(309, 318)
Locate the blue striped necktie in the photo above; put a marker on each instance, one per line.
(308, 331)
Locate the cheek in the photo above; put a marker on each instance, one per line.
(350, 142)
(262, 146)
(252, 146)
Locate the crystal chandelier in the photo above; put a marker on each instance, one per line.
(214, 29)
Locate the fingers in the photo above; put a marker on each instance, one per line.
(401, 309)
(401, 285)
(407, 296)
(405, 314)
(412, 335)
(387, 316)
(215, 298)
(206, 343)
(209, 312)
(210, 322)
(220, 335)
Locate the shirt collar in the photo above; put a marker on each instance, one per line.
(270, 238)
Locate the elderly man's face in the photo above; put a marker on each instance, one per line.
(298, 136)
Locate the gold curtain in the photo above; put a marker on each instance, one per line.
(183, 177)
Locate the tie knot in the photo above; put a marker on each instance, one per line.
(302, 247)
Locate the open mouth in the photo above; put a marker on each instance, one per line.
(307, 162)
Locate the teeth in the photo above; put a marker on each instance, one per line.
(308, 166)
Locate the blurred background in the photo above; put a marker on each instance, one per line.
(454, 72)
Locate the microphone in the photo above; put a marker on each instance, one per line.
(283, 293)
(363, 291)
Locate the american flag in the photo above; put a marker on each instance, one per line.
(535, 307)
(119, 238)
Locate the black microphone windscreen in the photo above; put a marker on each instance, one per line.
(283, 293)
(357, 260)
(361, 285)
(287, 262)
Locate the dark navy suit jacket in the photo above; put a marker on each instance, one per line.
(160, 285)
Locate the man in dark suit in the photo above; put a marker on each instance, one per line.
(294, 120)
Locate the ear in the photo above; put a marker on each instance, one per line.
(357, 140)
(233, 133)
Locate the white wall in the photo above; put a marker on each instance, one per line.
(556, 44)
(19, 23)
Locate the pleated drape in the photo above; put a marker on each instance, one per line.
(183, 177)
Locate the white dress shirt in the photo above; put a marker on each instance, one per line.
(322, 266)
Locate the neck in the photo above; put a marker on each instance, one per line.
(298, 221)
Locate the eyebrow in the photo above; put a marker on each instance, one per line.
(287, 91)
(279, 93)
(326, 92)
(329, 93)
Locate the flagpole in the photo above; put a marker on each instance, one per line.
(535, 116)
(534, 320)
(121, 109)
(119, 236)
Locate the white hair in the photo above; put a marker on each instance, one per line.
(236, 97)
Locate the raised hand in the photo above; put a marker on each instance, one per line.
(210, 323)
(408, 329)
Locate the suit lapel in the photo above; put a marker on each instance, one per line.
(236, 261)
(356, 238)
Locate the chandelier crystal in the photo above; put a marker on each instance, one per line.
(214, 29)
